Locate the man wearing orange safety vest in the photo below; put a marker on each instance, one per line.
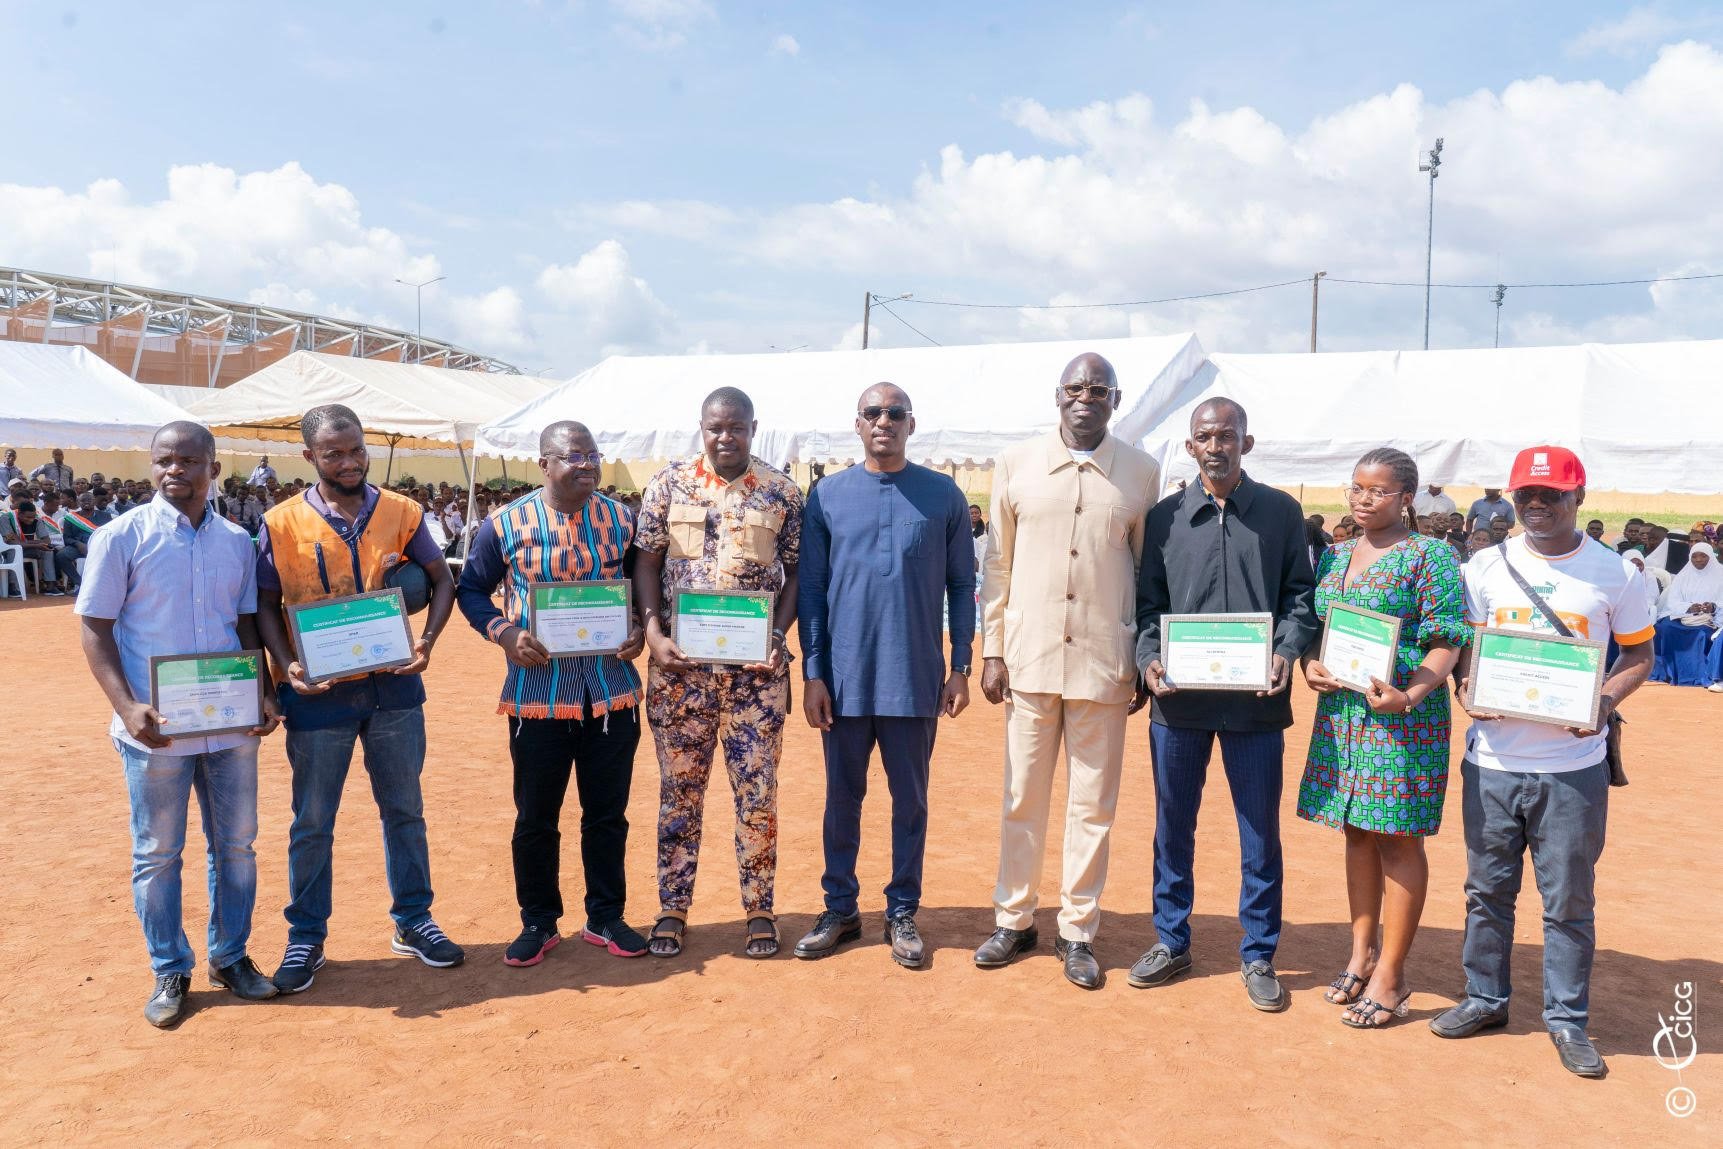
(342, 537)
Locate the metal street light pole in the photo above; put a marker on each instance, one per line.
(1501, 293)
(1435, 162)
(1315, 282)
(419, 309)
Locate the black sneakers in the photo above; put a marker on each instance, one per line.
(167, 1004)
(534, 942)
(429, 944)
(298, 968)
(618, 938)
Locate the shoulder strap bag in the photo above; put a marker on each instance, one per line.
(1612, 735)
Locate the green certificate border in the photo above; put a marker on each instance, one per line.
(156, 662)
(627, 609)
(294, 611)
(1482, 638)
(1394, 645)
(1267, 647)
(770, 597)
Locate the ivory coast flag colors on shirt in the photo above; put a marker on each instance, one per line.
(1596, 592)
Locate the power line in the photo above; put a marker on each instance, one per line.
(1123, 303)
(907, 323)
(1493, 286)
(1291, 283)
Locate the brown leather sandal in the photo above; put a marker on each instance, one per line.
(762, 937)
(665, 938)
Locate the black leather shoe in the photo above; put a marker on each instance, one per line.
(1467, 1018)
(1081, 968)
(167, 1003)
(831, 930)
(1159, 966)
(1003, 945)
(244, 979)
(907, 948)
(1578, 1055)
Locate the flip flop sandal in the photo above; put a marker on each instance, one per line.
(1347, 986)
(1362, 1014)
(756, 934)
(668, 928)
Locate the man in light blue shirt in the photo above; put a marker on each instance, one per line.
(172, 578)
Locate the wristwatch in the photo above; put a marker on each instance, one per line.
(963, 671)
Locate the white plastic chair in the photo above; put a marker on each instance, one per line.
(12, 563)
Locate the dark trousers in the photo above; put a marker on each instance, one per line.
(600, 754)
(905, 749)
(1560, 820)
(1253, 772)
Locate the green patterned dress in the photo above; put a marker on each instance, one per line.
(1387, 772)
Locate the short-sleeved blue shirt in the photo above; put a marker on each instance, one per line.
(171, 588)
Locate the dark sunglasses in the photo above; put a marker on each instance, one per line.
(897, 413)
(1545, 495)
(1092, 391)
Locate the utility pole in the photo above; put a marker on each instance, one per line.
(1315, 282)
(1501, 294)
(867, 310)
(419, 309)
(1435, 162)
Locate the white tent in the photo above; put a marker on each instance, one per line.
(71, 398)
(399, 403)
(970, 402)
(1639, 415)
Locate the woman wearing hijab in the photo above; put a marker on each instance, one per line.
(1378, 762)
(1698, 588)
(1689, 608)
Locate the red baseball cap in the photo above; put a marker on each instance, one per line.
(1554, 467)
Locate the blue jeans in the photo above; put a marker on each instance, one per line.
(160, 787)
(394, 742)
(1560, 818)
(1252, 759)
(905, 751)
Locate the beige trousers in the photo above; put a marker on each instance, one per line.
(1094, 738)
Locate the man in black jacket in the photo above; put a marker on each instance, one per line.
(1224, 545)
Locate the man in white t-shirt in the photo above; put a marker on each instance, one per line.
(1431, 501)
(1537, 786)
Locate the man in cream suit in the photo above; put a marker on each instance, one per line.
(1059, 603)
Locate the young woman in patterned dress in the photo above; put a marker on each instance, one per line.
(1378, 763)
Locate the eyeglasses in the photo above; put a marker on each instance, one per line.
(1546, 495)
(1357, 494)
(1094, 391)
(579, 459)
(897, 413)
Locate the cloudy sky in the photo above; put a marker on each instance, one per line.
(609, 176)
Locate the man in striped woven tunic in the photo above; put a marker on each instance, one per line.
(578, 715)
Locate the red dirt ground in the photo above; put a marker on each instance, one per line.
(713, 1047)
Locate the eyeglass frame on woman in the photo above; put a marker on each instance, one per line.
(579, 459)
(896, 412)
(1354, 493)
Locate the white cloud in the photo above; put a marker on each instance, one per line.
(1639, 30)
(281, 238)
(1543, 179)
(785, 44)
(661, 25)
(616, 310)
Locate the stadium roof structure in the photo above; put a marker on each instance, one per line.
(177, 340)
